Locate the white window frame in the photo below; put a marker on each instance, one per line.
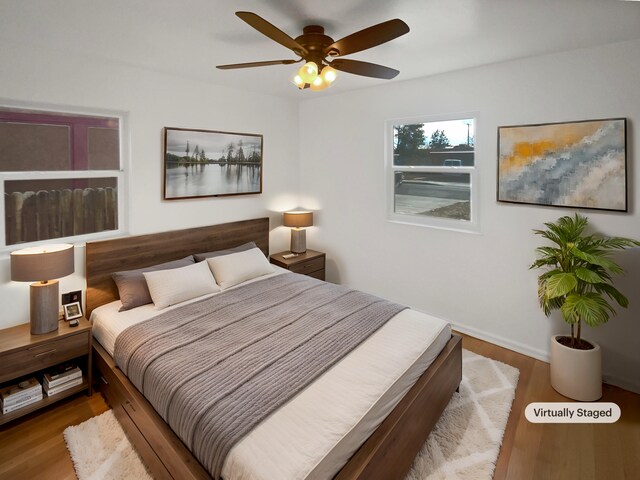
(466, 226)
(121, 175)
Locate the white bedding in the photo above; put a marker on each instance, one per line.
(314, 434)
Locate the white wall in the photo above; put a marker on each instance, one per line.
(481, 283)
(152, 101)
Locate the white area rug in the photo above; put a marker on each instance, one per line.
(466, 441)
(101, 451)
(464, 444)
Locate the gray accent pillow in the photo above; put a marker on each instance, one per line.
(218, 253)
(132, 286)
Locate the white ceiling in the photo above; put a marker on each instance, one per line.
(189, 37)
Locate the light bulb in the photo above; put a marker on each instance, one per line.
(329, 74)
(297, 81)
(308, 72)
(318, 84)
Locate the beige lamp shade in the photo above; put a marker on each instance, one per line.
(297, 219)
(42, 263)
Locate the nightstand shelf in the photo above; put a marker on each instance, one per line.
(7, 417)
(311, 263)
(23, 355)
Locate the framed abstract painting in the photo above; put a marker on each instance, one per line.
(579, 164)
(206, 163)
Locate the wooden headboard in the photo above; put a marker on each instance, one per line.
(127, 253)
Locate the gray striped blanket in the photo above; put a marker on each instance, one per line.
(216, 368)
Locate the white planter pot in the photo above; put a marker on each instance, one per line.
(576, 373)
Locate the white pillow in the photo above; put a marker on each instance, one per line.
(168, 287)
(230, 270)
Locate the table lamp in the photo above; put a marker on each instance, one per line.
(298, 220)
(43, 265)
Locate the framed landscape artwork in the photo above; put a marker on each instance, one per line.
(205, 163)
(576, 164)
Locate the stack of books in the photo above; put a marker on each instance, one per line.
(14, 397)
(61, 378)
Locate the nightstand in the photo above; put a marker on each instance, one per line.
(23, 355)
(309, 263)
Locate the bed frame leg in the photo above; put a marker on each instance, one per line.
(458, 389)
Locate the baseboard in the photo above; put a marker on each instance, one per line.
(536, 353)
(621, 382)
(502, 342)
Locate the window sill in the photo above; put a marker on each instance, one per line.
(459, 226)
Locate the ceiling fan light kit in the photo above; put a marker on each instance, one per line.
(308, 77)
(313, 47)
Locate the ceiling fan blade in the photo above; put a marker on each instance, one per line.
(367, 38)
(257, 64)
(273, 32)
(365, 69)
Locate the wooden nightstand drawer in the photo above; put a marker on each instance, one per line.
(309, 263)
(317, 274)
(308, 267)
(20, 362)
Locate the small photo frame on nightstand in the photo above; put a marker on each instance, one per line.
(72, 310)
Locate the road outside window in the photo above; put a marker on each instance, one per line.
(432, 173)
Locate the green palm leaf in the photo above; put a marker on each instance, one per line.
(590, 308)
(549, 252)
(560, 284)
(618, 243)
(571, 227)
(548, 256)
(550, 273)
(549, 236)
(588, 276)
(612, 293)
(599, 260)
(547, 304)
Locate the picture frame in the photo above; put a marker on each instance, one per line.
(580, 164)
(70, 297)
(72, 310)
(208, 163)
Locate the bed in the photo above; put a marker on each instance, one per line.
(393, 429)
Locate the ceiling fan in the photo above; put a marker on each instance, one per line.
(313, 47)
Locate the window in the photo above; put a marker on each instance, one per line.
(432, 173)
(60, 175)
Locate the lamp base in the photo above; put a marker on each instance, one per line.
(298, 240)
(44, 307)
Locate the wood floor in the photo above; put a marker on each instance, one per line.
(33, 447)
(562, 451)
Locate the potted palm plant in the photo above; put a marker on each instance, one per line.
(578, 282)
